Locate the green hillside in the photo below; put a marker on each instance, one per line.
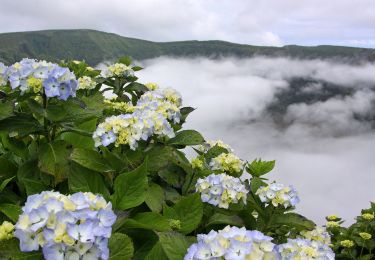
(95, 46)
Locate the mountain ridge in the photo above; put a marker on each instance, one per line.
(96, 46)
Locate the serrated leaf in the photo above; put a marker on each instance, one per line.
(54, 159)
(90, 159)
(130, 188)
(29, 176)
(222, 219)
(155, 197)
(189, 210)
(148, 220)
(174, 244)
(11, 211)
(187, 137)
(85, 180)
(293, 220)
(120, 247)
(259, 167)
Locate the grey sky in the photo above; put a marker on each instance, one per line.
(259, 22)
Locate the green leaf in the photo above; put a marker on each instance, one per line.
(6, 109)
(130, 188)
(90, 159)
(9, 249)
(113, 159)
(5, 183)
(159, 157)
(148, 220)
(85, 180)
(155, 197)
(293, 220)
(185, 111)
(15, 146)
(21, 123)
(120, 247)
(79, 140)
(174, 244)
(173, 175)
(222, 219)
(256, 183)
(11, 211)
(156, 253)
(53, 159)
(137, 68)
(187, 137)
(29, 176)
(259, 167)
(7, 168)
(135, 86)
(189, 210)
(214, 152)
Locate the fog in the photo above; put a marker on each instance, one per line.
(323, 148)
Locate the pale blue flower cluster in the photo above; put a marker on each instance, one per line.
(232, 243)
(221, 190)
(77, 226)
(278, 194)
(32, 75)
(151, 116)
(165, 101)
(305, 249)
(3, 74)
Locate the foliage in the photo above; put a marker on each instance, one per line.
(131, 152)
(95, 47)
(356, 241)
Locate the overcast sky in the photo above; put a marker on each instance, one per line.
(258, 22)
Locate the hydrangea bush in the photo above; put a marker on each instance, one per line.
(85, 176)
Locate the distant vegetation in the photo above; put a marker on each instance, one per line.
(95, 47)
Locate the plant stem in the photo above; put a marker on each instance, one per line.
(45, 120)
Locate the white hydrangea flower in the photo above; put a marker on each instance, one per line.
(227, 162)
(86, 83)
(305, 249)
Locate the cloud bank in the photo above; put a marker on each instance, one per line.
(323, 143)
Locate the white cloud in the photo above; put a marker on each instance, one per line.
(255, 22)
(333, 174)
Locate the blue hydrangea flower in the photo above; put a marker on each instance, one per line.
(221, 190)
(278, 194)
(232, 243)
(32, 75)
(152, 116)
(66, 227)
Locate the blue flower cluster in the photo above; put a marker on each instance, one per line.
(232, 243)
(151, 116)
(278, 194)
(221, 190)
(30, 75)
(305, 249)
(66, 227)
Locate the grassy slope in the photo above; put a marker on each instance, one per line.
(95, 46)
